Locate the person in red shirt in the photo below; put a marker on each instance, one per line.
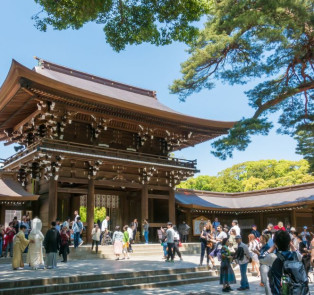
(8, 240)
(279, 226)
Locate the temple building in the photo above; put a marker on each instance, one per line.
(292, 205)
(87, 141)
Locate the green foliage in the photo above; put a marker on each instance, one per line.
(305, 147)
(255, 175)
(99, 213)
(264, 39)
(126, 21)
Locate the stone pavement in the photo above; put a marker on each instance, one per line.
(102, 266)
(98, 266)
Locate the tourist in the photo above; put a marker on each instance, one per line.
(130, 231)
(76, 215)
(266, 260)
(95, 237)
(35, 256)
(67, 223)
(16, 224)
(279, 226)
(58, 226)
(19, 245)
(184, 230)
(253, 247)
(305, 252)
(216, 223)
(77, 230)
(170, 242)
(288, 228)
(312, 251)
(117, 240)
(270, 231)
(146, 230)
(206, 244)
(8, 239)
(105, 224)
(282, 241)
(52, 245)
(242, 256)
(294, 239)
(125, 240)
(220, 235)
(226, 229)
(65, 238)
(227, 276)
(176, 239)
(26, 223)
(164, 242)
(236, 227)
(304, 235)
(135, 227)
(255, 232)
(1, 238)
(233, 245)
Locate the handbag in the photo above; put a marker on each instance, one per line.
(180, 244)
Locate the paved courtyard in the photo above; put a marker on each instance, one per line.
(102, 266)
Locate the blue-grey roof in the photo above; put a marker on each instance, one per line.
(271, 198)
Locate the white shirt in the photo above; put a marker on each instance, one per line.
(237, 230)
(75, 219)
(130, 231)
(222, 235)
(104, 225)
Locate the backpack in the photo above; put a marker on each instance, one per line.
(294, 280)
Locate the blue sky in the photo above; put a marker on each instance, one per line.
(145, 66)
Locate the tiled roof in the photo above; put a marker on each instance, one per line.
(11, 190)
(287, 196)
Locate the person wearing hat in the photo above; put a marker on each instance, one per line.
(170, 242)
(242, 257)
(304, 235)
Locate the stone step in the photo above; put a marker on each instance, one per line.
(80, 284)
(95, 277)
(141, 286)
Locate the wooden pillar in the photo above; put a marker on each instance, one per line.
(90, 209)
(2, 214)
(144, 202)
(172, 208)
(53, 201)
(293, 219)
(189, 222)
(261, 222)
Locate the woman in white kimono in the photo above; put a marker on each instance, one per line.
(35, 252)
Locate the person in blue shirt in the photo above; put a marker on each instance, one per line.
(216, 223)
(255, 232)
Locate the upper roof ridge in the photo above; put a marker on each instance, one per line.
(82, 75)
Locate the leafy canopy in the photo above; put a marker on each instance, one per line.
(255, 175)
(271, 41)
(126, 21)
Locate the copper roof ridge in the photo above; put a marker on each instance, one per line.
(251, 193)
(86, 76)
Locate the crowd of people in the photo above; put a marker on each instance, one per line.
(268, 251)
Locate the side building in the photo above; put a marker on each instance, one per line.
(89, 141)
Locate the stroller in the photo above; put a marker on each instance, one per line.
(106, 238)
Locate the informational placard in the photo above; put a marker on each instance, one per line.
(198, 225)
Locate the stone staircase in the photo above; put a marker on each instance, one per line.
(84, 284)
(139, 250)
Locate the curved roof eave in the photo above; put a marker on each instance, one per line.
(18, 71)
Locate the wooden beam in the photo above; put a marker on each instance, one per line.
(73, 180)
(26, 120)
(90, 208)
(159, 188)
(72, 190)
(53, 200)
(160, 197)
(172, 208)
(117, 183)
